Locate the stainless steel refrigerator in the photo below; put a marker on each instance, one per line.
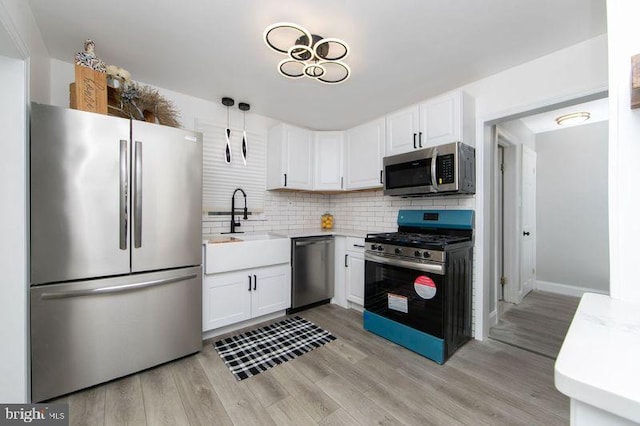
(115, 233)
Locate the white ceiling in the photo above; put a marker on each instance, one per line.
(402, 51)
(7, 46)
(545, 122)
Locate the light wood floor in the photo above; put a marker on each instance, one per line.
(359, 378)
(538, 324)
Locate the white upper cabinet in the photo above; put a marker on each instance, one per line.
(364, 149)
(402, 130)
(446, 118)
(329, 161)
(289, 158)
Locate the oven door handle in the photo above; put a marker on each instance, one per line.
(435, 268)
(434, 161)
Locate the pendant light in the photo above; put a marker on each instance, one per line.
(227, 150)
(244, 107)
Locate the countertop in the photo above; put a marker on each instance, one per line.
(311, 232)
(288, 233)
(599, 363)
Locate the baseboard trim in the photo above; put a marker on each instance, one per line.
(493, 318)
(565, 289)
(210, 334)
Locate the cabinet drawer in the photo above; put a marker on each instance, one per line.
(355, 244)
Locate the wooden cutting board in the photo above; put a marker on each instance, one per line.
(216, 240)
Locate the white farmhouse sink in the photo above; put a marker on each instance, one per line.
(233, 252)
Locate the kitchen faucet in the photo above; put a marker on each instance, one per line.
(233, 211)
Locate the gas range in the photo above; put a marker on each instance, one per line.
(418, 282)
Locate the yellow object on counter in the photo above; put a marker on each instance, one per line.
(327, 221)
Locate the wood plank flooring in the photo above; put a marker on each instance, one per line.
(359, 378)
(538, 324)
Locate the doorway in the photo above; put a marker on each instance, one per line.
(548, 307)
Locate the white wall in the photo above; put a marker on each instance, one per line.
(519, 132)
(624, 151)
(572, 207)
(18, 20)
(13, 229)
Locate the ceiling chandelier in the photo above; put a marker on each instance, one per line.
(308, 54)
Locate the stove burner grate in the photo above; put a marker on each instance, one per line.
(415, 239)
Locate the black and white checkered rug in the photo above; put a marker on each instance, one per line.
(255, 351)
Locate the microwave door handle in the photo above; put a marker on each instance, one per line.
(434, 160)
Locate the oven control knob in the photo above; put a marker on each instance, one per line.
(397, 251)
(380, 248)
(373, 246)
(417, 253)
(426, 254)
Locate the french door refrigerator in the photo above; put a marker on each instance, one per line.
(115, 233)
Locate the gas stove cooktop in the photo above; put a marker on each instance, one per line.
(419, 240)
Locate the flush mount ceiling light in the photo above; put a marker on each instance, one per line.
(573, 118)
(308, 54)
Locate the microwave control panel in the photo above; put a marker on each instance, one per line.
(445, 169)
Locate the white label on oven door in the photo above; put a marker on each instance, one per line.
(425, 287)
(398, 303)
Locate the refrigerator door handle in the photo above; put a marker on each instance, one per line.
(124, 188)
(137, 197)
(114, 289)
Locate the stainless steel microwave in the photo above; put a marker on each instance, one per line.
(440, 170)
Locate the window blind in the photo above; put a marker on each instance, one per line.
(220, 179)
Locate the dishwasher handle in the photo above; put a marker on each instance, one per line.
(308, 241)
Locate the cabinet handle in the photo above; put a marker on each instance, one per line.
(249, 282)
(420, 139)
(358, 245)
(342, 182)
(346, 260)
(255, 282)
(414, 141)
(380, 177)
(285, 179)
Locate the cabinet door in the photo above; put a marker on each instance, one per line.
(329, 152)
(226, 299)
(441, 120)
(298, 152)
(364, 149)
(272, 289)
(402, 131)
(355, 277)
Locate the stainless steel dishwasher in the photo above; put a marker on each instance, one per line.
(312, 263)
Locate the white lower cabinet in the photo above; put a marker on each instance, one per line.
(271, 290)
(231, 297)
(354, 270)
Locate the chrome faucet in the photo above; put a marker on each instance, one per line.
(233, 211)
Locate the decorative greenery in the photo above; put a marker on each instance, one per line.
(137, 99)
